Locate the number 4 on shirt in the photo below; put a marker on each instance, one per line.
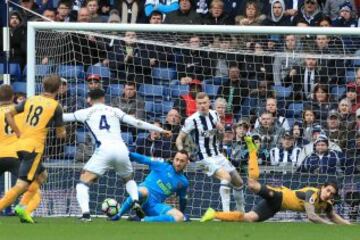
(103, 123)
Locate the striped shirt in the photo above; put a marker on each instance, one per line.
(203, 130)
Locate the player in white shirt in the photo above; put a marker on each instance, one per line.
(205, 127)
(103, 122)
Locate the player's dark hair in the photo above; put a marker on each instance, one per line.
(51, 83)
(6, 93)
(96, 94)
(182, 151)
(67, 3)
(333, 184)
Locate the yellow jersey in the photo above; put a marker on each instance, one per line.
(8, 138)
(40, 113)
(295, 199)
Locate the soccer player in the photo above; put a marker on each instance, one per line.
(103, 122)
(40, 112)
(164, 180)
(205, 128)
(310, 200)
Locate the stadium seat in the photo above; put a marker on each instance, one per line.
(162, 108)
(69, 151)
(177, 90)
(103, 72)
(211, 90)
(14, 71)
(81, 136)
(356, 62)
(141, 136)
(216, 80)
(151, 92)
(115, 90)
(338, 91)
(40, 70)
(283, 92)
(163, 75)
(81, 90)
(71, 71)
(350, 75)
(19, 86)
(294, 110)
(128, 139)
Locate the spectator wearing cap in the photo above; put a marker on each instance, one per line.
(352, 96)
(184, 15)
(234, 91)
(286, 154)
(332, 8)
(298, 133)
(326, 161)
(163, 6)
(216, 15)
(347, 118)
(67, 101)
(345, 16)
(336, 131)
(186, 104)
(93, 81)
(310, 12)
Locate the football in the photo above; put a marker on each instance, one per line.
(110, 207)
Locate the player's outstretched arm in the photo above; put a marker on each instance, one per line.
(180, 140)
(11, 121)
(144, 125)
(312, 216)
(336, 218)
(139, 158)
(69, 117)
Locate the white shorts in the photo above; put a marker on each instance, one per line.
(212, 164)
(114, 155)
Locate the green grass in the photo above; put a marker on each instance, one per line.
(71, 228)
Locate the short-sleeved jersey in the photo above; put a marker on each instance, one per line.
(163, 181)
(204, 133)
(39, 113)
(295, 199)
(102, 121)
(8, 138)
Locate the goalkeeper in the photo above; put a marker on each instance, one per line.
(310, 200)
(164, 180)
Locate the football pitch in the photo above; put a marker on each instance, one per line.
(71, 228)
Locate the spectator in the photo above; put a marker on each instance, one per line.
(186, 104)
(309, 120)
(252, 15)
(357, 85)
(322, 160)
(202, 7)
(305, 78)
(270, 133)
(286, 60)
(347, 118)
(216, 15)
(184, 15)
(114, 17)
(286, 154)
(173, 124)
(279, 121)
(156, 17)
(227, 141)
(163, 6)
(358, 120)
(63, 11)
(83, 15)
(310, 12)
(220, 108)
(104, 8)
(321, 102)
(131, 11)
(334, 8)
(27, 5)
(130, 102)
(19, 97)
(93, 8)
(277, 15)
(354, 153)
(352, 97)
(234, 91)
(336, 131)
(154, 145)
(240, 152)
(69, 103)
(17, 30)
(298, 133)
(49, 14)
(93, 82)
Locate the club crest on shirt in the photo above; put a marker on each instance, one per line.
(208, 133)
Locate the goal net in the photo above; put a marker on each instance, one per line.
(303, 77)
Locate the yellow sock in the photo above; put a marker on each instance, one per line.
(30, 193)
(230, 216)
(253, 166)
(34, 202)
(10, 197)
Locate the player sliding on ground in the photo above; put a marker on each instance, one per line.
(40, 113)
(274, 199)
(164, 180)
(103, 122)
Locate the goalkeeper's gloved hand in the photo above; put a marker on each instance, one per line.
(187, 218)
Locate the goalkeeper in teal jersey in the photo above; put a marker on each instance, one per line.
(164, 180)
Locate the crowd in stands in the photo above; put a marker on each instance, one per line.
(303, 111)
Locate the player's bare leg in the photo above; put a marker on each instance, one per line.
(132, 190)
(224, 190)
(238, 190)
(82, 194)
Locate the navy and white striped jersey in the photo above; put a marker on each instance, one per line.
(203, 130)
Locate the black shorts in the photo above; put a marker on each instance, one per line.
(30, 165)
(269, 205)
(9, 164)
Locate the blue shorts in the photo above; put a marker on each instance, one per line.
(153, 207)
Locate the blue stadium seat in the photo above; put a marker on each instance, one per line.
(103, 72)
(177, 90)
(216, 80)
(19, 86)
(162, 108)
(350, 75)
(356, 62)
(81, 90)
(69, 151)
(115, 90)
(127, 137)
(40, 70)
(294, 110)
(283, 92)
(71, 71)
(14, 71)
(211, 90)
(141, 136)
(338, 91)
(151, 92)
(163, 75)
(81, 136)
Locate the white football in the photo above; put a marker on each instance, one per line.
(110, 207)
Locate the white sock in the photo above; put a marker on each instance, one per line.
(238, 193)
(82, 196)
(132, 190)
(225, 195)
